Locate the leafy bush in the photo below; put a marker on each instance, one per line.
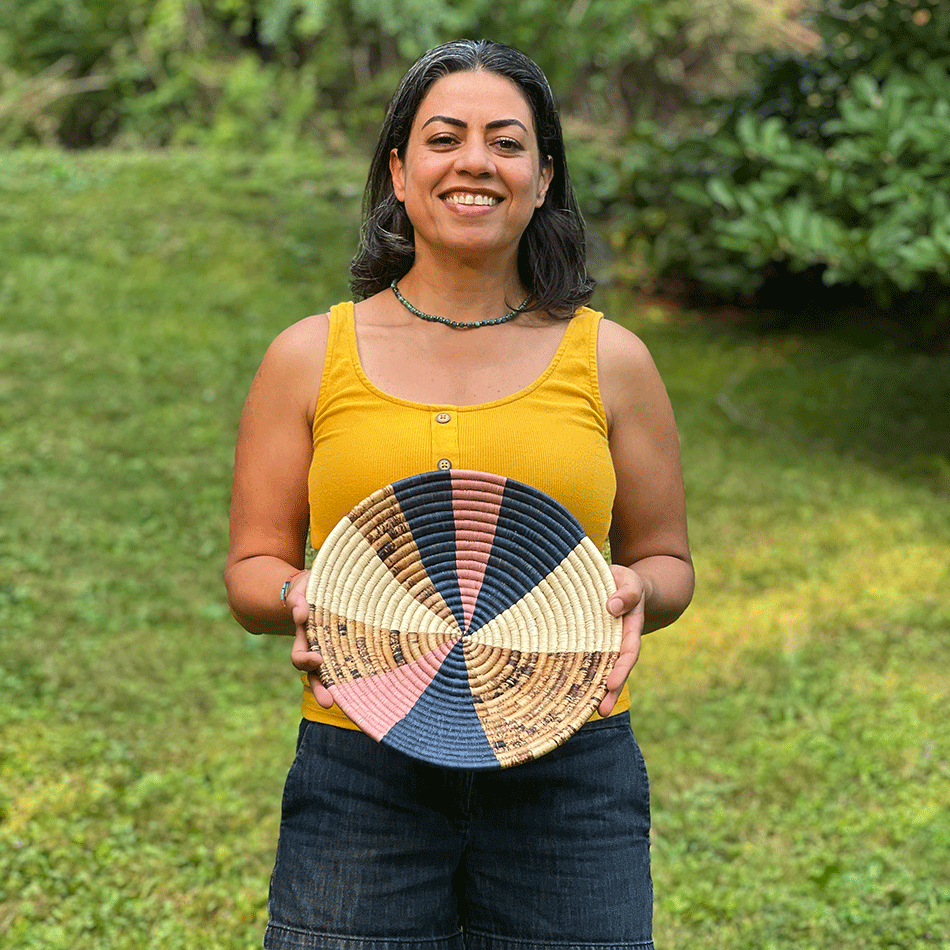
(261, 72)
(835, 165)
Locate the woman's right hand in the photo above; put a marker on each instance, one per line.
(306, 660)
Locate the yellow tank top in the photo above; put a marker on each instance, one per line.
(552, 434)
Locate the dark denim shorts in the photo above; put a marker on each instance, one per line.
(378, 851)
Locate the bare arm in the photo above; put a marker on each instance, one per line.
(648, 539)
(269, 507)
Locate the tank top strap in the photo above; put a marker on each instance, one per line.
(339, 367)
(577, 360)
(341, 341)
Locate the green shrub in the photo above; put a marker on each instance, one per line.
(836, 165)
(255, 72)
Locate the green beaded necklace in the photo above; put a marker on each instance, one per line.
(510, 315)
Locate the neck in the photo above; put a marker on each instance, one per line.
(462, 293)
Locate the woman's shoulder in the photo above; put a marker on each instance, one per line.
(302, 340)
(293, 363)
(626, 372)
(620, 349)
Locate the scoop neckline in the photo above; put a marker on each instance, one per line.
(428, 406)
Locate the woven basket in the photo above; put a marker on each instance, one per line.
(461, 618)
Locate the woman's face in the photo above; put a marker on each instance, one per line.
(471, 177)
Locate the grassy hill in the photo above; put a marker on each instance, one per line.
(794, 720)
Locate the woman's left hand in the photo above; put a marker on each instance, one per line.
(628, 602)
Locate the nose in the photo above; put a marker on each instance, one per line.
(474, 158)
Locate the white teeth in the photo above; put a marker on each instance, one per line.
(467, 198)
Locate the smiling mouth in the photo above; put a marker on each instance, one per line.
(468, 198)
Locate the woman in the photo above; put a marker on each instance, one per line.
(471, 347)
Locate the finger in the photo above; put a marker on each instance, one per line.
(297, 601)
(616, 606)
(628, 593)
(320, 692)
(607, 704)
(301, 655)
(307, 662)
(630, 642)
(617, 679)
(624, 599)
(618, 675)
(300, 611)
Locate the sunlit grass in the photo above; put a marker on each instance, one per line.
(793, 720)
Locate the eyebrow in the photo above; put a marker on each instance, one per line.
(494, 124)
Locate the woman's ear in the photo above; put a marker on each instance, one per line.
(396, 169)
(544, 180)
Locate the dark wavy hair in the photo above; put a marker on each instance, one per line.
(552, 255)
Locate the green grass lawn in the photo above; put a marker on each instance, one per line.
(794, 720)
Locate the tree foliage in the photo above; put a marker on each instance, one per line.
(259, 72)
(833, 165)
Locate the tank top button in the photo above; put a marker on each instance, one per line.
(444, 465)
(443, 417)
